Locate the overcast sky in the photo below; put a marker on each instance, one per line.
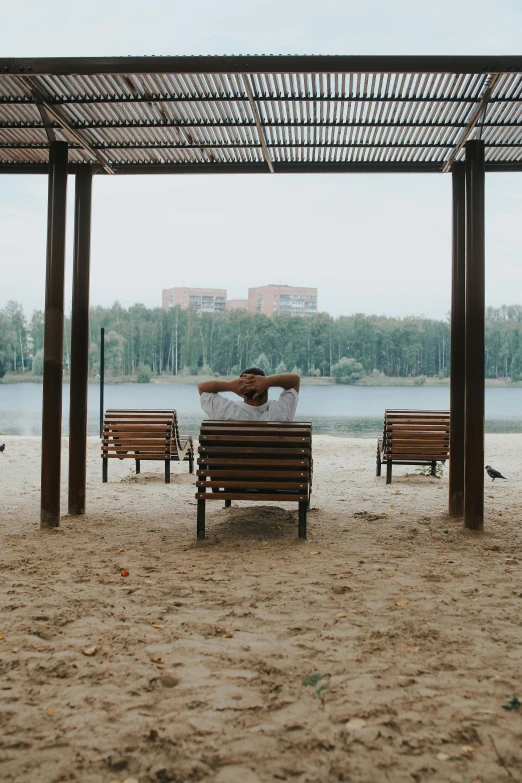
(370, 243)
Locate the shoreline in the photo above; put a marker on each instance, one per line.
(193, 380)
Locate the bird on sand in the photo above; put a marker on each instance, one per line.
(2, 448)
(493, 474)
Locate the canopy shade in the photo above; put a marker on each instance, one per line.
(260, 114)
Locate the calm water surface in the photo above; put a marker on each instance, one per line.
(354, 411)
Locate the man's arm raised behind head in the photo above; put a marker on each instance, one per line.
(214, 387)
(285, 380)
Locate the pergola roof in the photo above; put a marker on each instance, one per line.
(261, 113)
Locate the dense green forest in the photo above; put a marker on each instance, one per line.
(181, 342)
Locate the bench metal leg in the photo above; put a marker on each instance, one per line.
(388, 471)
(167, 471)
(105, 466)
(201, 519)
(191, 463)
(302, 519)
(228, 503)
(138, 466)
(434, 468)
(378, 466)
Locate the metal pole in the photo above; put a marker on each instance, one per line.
(458, 342)
(53, 337)
(80, 341)
(102, 375)
(475, 317)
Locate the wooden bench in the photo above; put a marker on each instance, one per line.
(413, 437)
(261, 460)
(145, 435)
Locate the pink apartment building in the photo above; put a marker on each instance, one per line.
(267, 299)
(283, 300)
(202, 300)
(237, 304)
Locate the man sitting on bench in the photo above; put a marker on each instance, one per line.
(252, 386)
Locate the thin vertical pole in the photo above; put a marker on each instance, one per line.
(475, 317)
(102, 375)
(458, 342)
(53, 337)
(177, 318)
(80, 341)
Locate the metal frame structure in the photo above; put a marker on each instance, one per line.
(261, 114)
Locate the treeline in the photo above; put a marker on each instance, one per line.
(181, 342)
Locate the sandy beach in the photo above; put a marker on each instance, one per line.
(384, 648)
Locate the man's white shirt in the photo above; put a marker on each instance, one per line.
(220, 408)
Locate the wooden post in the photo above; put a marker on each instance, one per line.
(201, 519)
(458, 342)
(302, 519)
(475, 318)
(53, 336)
(80, 341)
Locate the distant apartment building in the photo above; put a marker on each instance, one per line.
(201, 300)
(237, 304)
(283, 300)
(267, 299)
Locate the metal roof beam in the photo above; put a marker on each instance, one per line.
(248, 88)
(231, 98)
(473, 120)
(84, 66)
(260, 168)
(30, 86)
(130, 124)
(168, 145)
(47, 123)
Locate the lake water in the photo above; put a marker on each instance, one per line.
(355, 411)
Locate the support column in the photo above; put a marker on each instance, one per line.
(475, 305)
(80, 340)
(458, 342)
(53, 336)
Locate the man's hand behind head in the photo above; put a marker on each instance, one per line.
(235, 387)
(258, 384)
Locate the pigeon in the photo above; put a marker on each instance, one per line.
(2, 448)
(493, 474)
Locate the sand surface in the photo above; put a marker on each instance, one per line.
(192, 667)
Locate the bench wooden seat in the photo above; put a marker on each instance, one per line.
(261, 460)
(142, 434)
(413, 437)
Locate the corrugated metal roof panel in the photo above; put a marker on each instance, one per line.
(406, 120)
